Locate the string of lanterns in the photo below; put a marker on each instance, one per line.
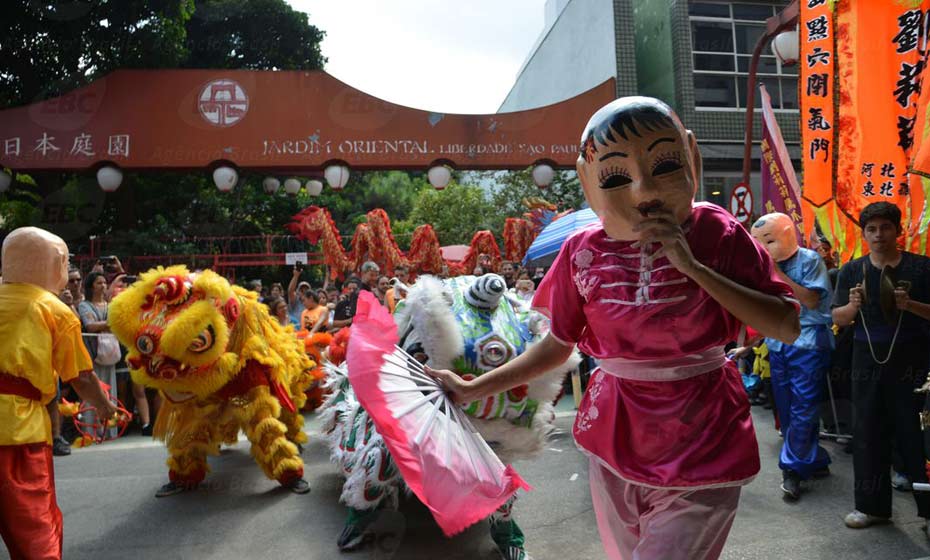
(226, 177)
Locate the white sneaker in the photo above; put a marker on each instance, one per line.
(858, 520)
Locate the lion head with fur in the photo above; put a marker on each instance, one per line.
(189, 334)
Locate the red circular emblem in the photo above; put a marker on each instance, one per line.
(223, 102)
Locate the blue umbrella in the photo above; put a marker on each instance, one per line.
(547, 244)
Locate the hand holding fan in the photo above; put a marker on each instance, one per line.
(443, 459)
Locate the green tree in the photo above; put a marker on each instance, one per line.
(252, 34)
(516, 186)
(456, 213)
(396, 192)
(50, 48)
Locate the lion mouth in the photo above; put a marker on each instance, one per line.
(177, 397)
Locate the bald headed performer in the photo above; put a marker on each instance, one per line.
(40, 340)
(798, 369)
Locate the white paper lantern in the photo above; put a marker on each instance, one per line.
(292, 186)
(271, 185)
(439, 176)
(314, 187)
(5, 180)
(337, 176)
(786, 45)
(109, 178)
(225, 178)
(543, 174)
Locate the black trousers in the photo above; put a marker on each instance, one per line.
(885, 415)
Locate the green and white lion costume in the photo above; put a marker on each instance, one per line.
(469, 325)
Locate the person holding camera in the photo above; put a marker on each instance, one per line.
(110, 266)
(103, 346)
(295, 291)
(314, 314)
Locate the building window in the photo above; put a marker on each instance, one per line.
(723, 36)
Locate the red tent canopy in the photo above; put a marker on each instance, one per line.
(275, 121)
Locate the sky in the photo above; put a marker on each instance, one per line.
(446, 56)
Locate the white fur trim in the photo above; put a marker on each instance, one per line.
(429, 303)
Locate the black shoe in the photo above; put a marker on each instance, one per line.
(147, 430)
(298, 486)
(60, 447)
(791, 485)
(821, 473)
(173, 488)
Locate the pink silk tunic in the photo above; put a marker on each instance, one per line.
(665, 409)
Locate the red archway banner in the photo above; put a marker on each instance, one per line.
(280, 121)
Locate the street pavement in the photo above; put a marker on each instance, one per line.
(106, 493)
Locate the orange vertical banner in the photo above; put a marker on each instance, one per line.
(818, 124)
(919, 218)
(880, 47)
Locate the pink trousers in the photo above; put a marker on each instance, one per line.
(641, 523)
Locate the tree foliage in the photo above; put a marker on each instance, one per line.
(50, 48)
(252, 34)
(456, 213)
(515, 186)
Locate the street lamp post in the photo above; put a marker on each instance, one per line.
(784, 20)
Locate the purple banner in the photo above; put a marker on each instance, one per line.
(780, 190)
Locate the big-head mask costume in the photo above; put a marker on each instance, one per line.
(637, 158)
(776, 232)
(35, 256)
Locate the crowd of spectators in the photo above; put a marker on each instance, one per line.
(330, 307)
(88, 296)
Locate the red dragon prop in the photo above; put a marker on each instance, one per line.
(373, 240)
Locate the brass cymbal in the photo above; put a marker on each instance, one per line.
(887, 286)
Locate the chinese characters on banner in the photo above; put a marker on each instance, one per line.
(818, 125)
(115, 146)
(881, 52)
(780, 190)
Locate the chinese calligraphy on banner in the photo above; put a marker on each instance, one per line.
(780, 190)
(82, 144)
(862, 65)
(817, 112)
(881, 48)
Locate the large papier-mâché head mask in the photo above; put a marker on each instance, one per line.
(35, 256)
(776, 232)
(636, 158)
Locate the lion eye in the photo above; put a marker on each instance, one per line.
(204, 341)
(495, 353)
(145, 344)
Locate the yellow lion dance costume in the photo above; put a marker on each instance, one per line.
(224, 365)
